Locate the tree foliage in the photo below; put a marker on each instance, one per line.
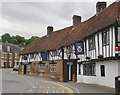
(18, 40)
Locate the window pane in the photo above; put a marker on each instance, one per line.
(89, 69)
(102, 67)
(118, 34)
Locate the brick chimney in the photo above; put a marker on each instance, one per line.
(100, 6)
(76, 20)
(49, 30)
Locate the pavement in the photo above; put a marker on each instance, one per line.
(12, 82)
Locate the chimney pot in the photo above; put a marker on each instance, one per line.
(100, 6)
(49, 30)
(76, 20)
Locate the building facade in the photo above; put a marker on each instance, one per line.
(87, 52)
(9, 55)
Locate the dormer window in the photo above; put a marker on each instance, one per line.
(8, 48)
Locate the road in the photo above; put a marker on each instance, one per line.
(12, 82)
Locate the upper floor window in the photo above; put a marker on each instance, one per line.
(24, 57)
(8, 48)
(31, 56)
(54, 53)
(92, 43)
(105, 37)
(119, 34)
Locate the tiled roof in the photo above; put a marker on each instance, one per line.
(48, 42)
(96, 23)
(69, 35)
(13, 48)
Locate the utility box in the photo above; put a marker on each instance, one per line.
(117, 85)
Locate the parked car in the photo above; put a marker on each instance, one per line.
(15, 68)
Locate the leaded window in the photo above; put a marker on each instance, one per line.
(92, 43)
(105, 37)
(52, 67)
(42, 67)
(89, 69)
(119, 34)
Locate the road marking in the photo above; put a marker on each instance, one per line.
(63, 86)
(48, 87)
(63, 91)
(29, 90)
(56, 91)
(53, 91)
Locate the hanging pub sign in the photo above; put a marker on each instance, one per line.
(117, 49)
(79, 48)
(44, 56)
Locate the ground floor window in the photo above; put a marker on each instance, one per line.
(42, 67)
(89, 69)
(102, 69)
(52, 67)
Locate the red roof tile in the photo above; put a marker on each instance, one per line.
(69, 35)
(97, 22)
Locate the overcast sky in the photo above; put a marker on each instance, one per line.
(32, 18)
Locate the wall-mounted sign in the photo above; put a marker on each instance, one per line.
(44, 56)
(79, 48)
(117, 49)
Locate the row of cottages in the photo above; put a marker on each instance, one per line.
(85, 52)
(9, 55)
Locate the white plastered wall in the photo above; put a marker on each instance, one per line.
(111, 71)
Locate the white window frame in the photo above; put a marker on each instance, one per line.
(118, 34)
(52, 67)
(42, 67)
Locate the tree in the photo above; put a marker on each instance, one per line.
(18, 40)
(31, 39)
(6, 37)
(13, 40)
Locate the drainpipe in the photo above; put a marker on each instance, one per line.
(62, 79)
